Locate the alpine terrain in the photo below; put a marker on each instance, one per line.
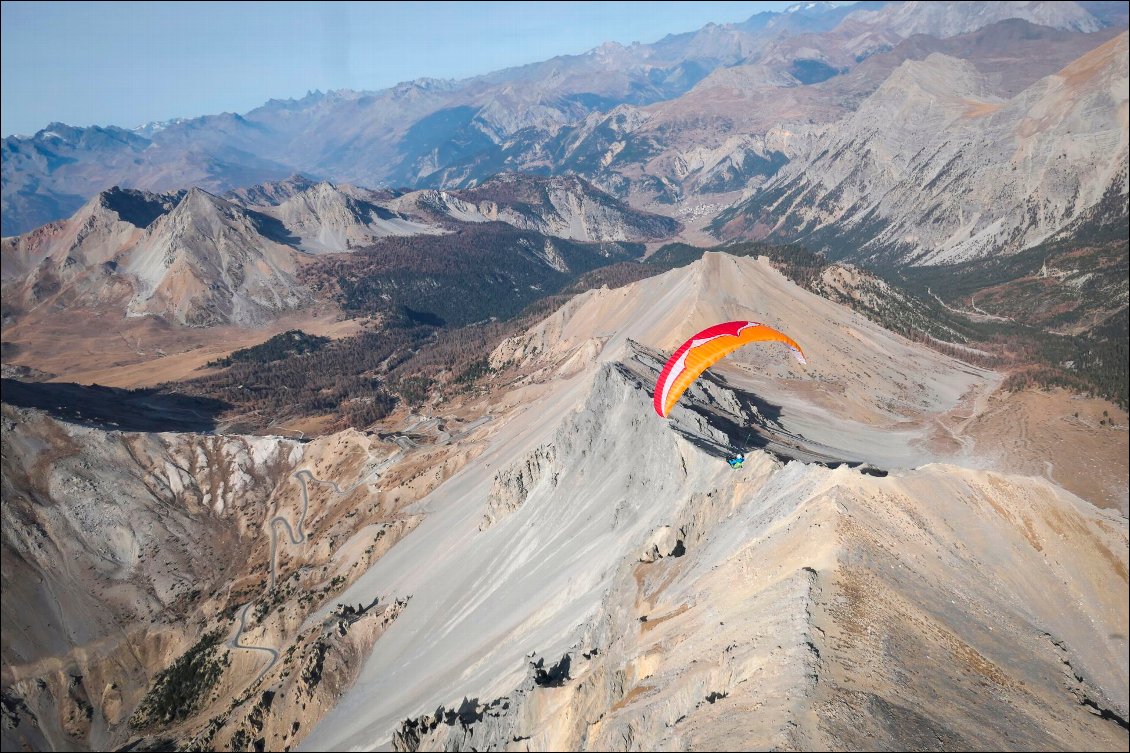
(763, 386)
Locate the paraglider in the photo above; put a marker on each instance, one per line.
(705, 349)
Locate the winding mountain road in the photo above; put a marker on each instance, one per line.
(234, 642)
(297, 536)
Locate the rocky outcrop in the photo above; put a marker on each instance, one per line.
(794, 582)
(514, 484)
(486, 725)
(325, 219)
(566, 207)
(664, 541)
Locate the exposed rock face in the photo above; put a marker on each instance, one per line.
(566, 207)
(210, 262)
(881, 575)
(963, 175)
(562, 207)
(271, 193)
(807, 605)
(949, 19)
(188, 257)
(112, 498)
(636, 592)
(740, 124)
(286, 702)
(326, 219)
(122, 549)
(150, 517)
(111, 222)
(513, 485)
(663, 542)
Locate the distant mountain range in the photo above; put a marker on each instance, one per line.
(195, 258)
(703, 116)
(964, 174)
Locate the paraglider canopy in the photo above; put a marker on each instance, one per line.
(705, 349)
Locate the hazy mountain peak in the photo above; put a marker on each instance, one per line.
(325, 188)
(610, 47)
(929, 170)
(92, 137)
(938, 75)
(806, 7)
(947, 19)
(154, 126)
(272, 193)
(198, 200)
(424, 85)
(323, 218)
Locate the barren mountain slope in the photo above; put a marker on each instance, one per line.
(188, 257)
(866, 392)
(271, 193)
(948, 19)
(126, 552)
(670, 602)
(38, 264)
(736, 127)
(210, 262)
(112, 543)
(566, 207)
(89, 237)
(325, 219)
(563, 207)
(964, 174)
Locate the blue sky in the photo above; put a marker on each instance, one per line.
(129, 63)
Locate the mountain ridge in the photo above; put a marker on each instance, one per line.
(197, 259)
(392, 135)
(899, 205)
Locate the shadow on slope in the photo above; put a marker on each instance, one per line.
(115, 408)
(721, 419)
